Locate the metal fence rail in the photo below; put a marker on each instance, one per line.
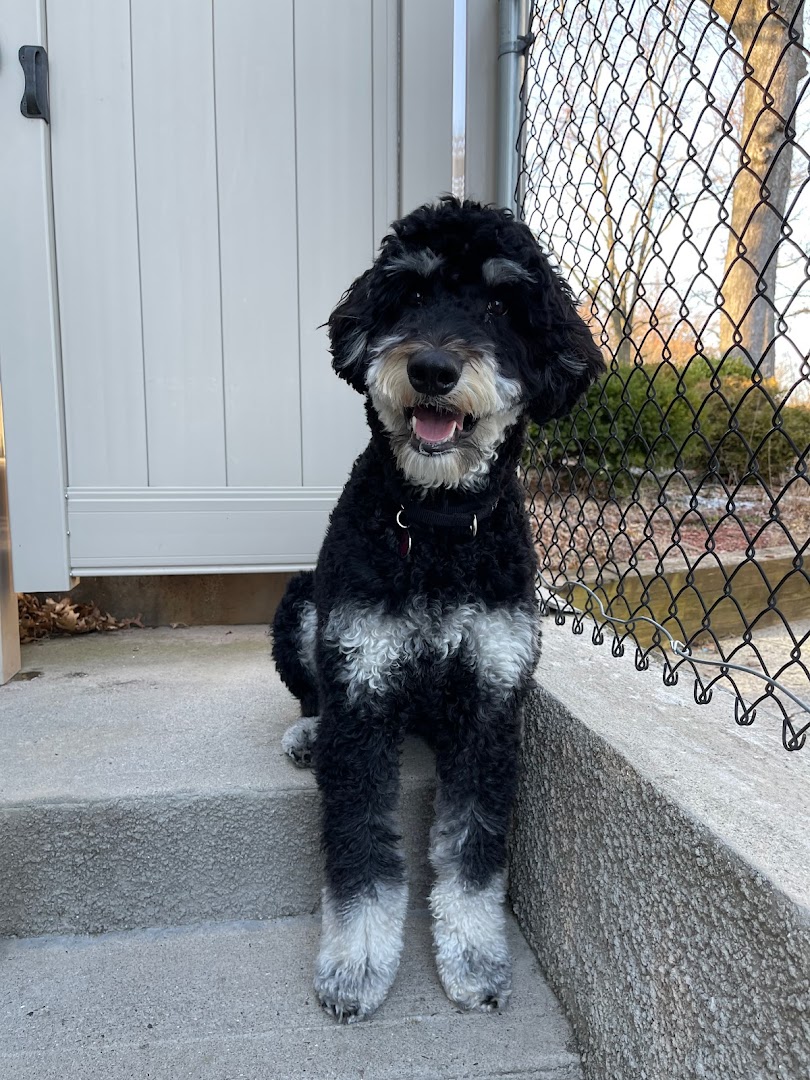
(665, 163)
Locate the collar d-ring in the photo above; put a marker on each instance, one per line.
(406, 542)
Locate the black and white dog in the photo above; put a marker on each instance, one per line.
(421, 613)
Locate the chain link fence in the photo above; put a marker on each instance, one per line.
(665, 164)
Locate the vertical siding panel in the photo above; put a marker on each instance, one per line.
(427, 100)
(255, 114)
(482, 100)
(97, 241)
(385, 110)
(333, 84)
(175, 159)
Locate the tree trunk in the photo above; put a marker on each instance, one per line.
(774, 65)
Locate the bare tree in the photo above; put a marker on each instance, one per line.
(619, 172)
(770, 39)
(661, 157)
(628, 239)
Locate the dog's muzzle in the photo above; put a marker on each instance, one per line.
(435, 428)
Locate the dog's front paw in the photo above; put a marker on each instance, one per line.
(474, 980)
(472, 955)
(298, 740)
(351, 994)
(361, 941)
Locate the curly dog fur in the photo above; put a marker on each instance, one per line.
(421, 613)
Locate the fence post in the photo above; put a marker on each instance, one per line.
(512, 22)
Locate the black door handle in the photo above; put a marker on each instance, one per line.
(34, 61)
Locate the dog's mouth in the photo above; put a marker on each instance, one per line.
(435, 430)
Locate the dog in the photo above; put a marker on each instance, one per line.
(421, 613)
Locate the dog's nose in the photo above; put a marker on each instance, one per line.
(433, 371)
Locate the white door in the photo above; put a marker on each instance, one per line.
(219, 176)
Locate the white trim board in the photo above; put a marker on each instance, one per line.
(30, 361)
(185, 530)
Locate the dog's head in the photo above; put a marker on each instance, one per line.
(459, 327)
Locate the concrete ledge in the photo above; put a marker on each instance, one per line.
(661, 871)
(701, 588)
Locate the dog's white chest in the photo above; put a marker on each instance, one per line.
(497, 645)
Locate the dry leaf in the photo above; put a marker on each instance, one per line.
(43, 618)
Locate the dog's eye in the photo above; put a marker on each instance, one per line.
(496, 307)
(418, 297)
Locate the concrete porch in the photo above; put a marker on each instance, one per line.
(161, 872)
(161, 884)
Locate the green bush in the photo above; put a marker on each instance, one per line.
(707, 417)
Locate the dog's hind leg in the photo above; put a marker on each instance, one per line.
(476, 769)
(294, 630)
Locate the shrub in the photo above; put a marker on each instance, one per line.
(707, 417)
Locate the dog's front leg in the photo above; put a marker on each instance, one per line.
(476, 773)
(364, 900)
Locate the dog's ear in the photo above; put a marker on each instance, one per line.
(564, 358)
(348, 333)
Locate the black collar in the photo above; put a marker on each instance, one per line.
(467, 515)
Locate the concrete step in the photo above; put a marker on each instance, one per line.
(234, 1000)
(143, 784)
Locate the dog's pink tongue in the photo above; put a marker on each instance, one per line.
(432, 425)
